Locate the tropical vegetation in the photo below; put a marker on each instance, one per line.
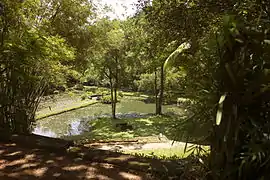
(215, 55)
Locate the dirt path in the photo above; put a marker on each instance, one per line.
(22, 163)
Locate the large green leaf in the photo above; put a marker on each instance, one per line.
(220, 109)
(173, 56)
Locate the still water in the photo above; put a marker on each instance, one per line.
(76, 122)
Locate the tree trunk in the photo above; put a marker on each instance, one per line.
(116, 82)
(160, 100)
(156, 91)
(112, 98)
(114, 103)
(115, 88)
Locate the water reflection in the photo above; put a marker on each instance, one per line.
(77, 122)
(43, 132)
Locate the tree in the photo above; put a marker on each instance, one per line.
(109, 57)
(71, 20)
(29, 60)
(169, 24)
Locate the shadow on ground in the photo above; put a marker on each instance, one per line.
(17, 162)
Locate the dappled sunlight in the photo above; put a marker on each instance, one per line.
(28, 165)
(105, 128)
(30, 156)
(10, 144)
(14, 153)
(103, 177)
(146, 120)
(119, 158)
(14, 175)
(59, 158)
(75, 168)
(36, 172)
(107, 166)
(126, 175)
(17, 162)
(56, 174)
(139, 163)
(50, 162)
(41, 164)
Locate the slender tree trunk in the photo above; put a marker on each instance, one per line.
(116, 81)
(115, 88)
(156, 91)
(112, 97)
(161, 91)
(114, 102)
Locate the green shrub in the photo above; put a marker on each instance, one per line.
(146, 83)
(84, 96)
(102, 91)
(106, 100)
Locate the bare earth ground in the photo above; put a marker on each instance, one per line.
(24, 163)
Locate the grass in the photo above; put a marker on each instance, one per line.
(175, 152)
(152, 126)
(145, 130)
(131, 93)
(162, 153)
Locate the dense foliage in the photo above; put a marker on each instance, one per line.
(223, 71)
(226, 75)
(30, 58)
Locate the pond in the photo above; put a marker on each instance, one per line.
(76, 122)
